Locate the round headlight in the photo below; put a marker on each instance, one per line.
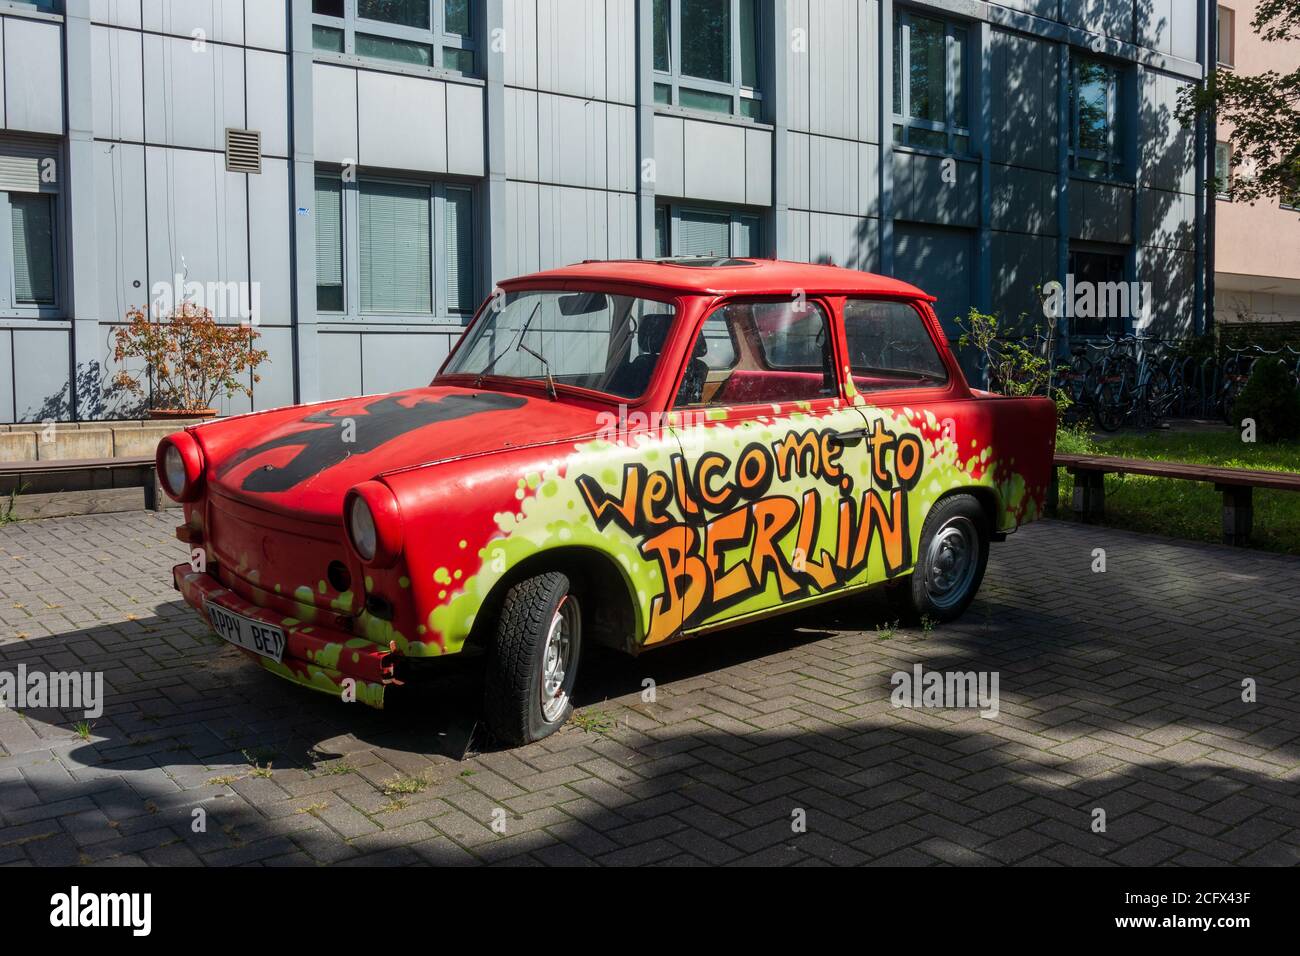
(174, 470)
(361, 528)
(179, 462)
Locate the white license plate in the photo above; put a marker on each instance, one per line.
(265, 639)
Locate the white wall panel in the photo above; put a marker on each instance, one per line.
(268, 101)
(192, 95)
(402, 122)
(270, 213)
(33, 75)
(117, 65)
(217, 20)
(120, 229)
(334, 113)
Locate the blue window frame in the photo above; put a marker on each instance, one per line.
(706, 55)
(432, 33)
(1097, 90)
(931, 84)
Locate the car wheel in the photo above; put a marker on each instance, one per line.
(950, 565)
(532, 665)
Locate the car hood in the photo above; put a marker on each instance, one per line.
(302, 460)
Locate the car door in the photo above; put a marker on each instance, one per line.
(901, 385)
(772, 455)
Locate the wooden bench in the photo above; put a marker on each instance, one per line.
(1236, 485)
(153, 494)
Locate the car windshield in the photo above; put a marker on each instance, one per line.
(601, 341)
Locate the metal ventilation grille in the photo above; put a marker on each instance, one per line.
(243, 151)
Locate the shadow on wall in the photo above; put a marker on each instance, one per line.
(936, 252)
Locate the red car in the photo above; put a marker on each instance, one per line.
(626, 453)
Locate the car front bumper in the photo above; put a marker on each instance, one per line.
(321, 658)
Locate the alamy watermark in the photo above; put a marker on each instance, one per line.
(60, 690)
(946, 690)
(1097, 300)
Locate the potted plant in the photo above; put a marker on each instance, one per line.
(189, 359)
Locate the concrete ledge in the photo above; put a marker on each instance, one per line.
(62, 441)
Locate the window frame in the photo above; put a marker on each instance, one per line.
(902, 117)
(1231, 20)
(764, 406)
(440, 313)
(10, 308)
(1125, 275)
(674, 79)
(1113, 158)
(735, 215)
(944, 355)
(1223, 189)
(436, 36)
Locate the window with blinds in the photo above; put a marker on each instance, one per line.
(29, 182)
(32, 219)
(458, 249)
(396, 269)
(329, 245)
(709, 233)
(702, 234)
(387, 247)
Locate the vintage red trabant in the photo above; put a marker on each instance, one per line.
(626, 453)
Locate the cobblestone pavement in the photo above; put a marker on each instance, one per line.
(1120, 691)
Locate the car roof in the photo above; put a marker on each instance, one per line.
(726, 276)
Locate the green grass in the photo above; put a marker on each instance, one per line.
(1189, 509)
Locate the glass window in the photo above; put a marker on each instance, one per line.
(1223, 170)
(406, 13)
(32, 221)
(391, 48)
(930, 89)
(706, 39)
(458, 20)
(409, 248)
(694, 60)
(661, 231)
(458, 259)
(328, 39)
(329, 244)
(1095, 109)
(394, 248)
(703, 234)
(605, 342)
(1097, 269)
(890, 346)
(1224, 46)
(784, 356)
(662, 30)
(707, 232)
(429, 33)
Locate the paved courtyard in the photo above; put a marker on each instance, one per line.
(1120, 692)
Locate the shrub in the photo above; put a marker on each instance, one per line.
(1271, 399)
(1014, 368)
(188, 357)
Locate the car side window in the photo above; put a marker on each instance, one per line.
(890, 346)
(757, 352)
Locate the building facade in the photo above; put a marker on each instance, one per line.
(354, 175)
(1257, 246)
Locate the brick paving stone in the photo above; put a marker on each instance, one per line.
(1114, 694)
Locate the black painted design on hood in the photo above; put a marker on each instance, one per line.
(383, 420)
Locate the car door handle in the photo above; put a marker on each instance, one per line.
(850, 437)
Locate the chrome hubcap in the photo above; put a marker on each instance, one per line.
(557, 658)
(950, 562)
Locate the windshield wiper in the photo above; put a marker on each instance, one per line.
(478, 380)
(546, 367)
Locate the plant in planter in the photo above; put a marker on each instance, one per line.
(188, 358)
